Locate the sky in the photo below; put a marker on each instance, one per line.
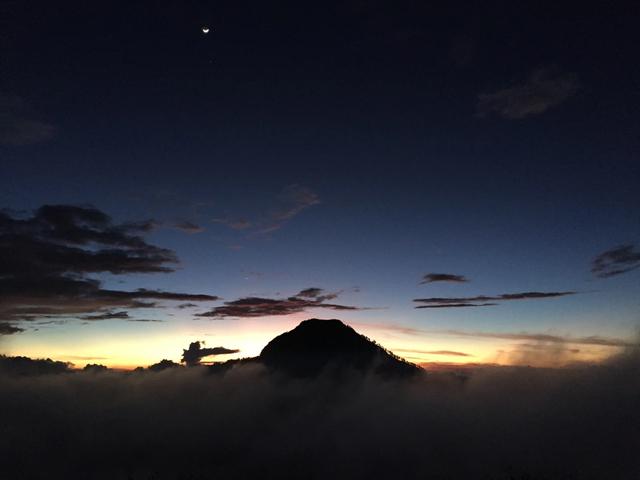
(458, 182)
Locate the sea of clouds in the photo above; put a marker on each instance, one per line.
(581, 422)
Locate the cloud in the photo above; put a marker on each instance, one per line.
(188, 227)
(249, 307)
(547, 338)
(443, 277)
(187, 305)
(289, 203)
(9, 329)
(195, 353)
(95, 368)
(46, 260)
(545, 89)
(237, 224)
(106, 316)
(434, 352)
(390, 327)
(65, 239)
(486, 422)
(310, 292)
(541, 354)
(145, 320)
(28, 366)
(457, 305)
(292, 201)
(616, 261)
(82, 357)
(163, 365)
(18, 124)
(455, 302)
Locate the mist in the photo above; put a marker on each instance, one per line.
(581, 422)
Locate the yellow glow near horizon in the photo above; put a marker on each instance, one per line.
(135, 345)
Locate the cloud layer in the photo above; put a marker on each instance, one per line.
(249, 307)
(180, 423)
(484, 300)
(46, 260)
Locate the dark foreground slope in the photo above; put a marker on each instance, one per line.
(317, 346)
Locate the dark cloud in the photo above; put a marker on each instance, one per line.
(188, 227)
(443, 277)
(19, 125)
(29, 366)
(34, 298)
(616, 261)
(162, 295)
(195, 353)
(95, 368)
(486, 422)
(187, 305)
(545, 88)
(457, 305)
(249, 307)
(455, 302)
(106, 316)
(66, 239)
(163, 365)
(46, 260)
(8, 329)
(310, 292)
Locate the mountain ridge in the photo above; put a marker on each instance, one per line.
(317, 346)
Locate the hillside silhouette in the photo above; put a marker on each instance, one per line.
(316, 346)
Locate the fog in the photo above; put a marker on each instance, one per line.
(184, 423)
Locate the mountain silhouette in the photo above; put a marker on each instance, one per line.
(316, 346)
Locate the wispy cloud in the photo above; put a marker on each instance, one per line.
(289, 203)
(249, 307)
(443, 277)
(450, 353)
(544, 89)
(546, 338)
(81, 357)
(457, 302)
(389, 327)
(235, 224)
(188, 227)
(292, 201)
(616, 261)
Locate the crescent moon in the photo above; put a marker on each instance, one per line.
(205, 29)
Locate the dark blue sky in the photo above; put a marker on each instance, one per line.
(351, 146)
